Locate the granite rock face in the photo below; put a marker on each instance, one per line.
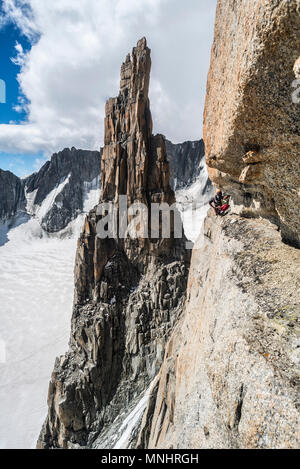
(74, 171)
(230, 377)
(129, 293)
(251, 122)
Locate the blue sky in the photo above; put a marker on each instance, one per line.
(68, 67)
(9, 36)
(19, 164)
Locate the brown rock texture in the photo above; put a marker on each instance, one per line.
(129, 293)
(134, 164)
(230, 376)
(249, 108)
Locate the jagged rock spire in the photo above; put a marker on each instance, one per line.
(129, 293)
(134, 163)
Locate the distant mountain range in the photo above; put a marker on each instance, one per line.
(55, 194)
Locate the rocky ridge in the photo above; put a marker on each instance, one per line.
(55, 195)
(65, 180)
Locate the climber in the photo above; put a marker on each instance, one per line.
(225, 206)
(220, 203)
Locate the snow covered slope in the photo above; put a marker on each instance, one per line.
(192, 202)
(55, 194)
(40, 211)
(36, 295)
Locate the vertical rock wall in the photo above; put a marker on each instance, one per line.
(185, 162)
(12, 197)
(251, 124)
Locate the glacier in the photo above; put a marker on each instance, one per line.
(36, 296)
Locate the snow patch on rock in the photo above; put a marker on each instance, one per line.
(192, 203)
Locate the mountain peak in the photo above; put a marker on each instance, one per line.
(113, 273)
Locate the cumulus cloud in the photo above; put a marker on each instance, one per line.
(73, 67)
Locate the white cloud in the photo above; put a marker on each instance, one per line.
(74, 66)
(19, 11)
(20, 58)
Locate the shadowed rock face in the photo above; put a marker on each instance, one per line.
(12, 197)
(251, 125)
(185, 159)
(81, 167)
(128, 293)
